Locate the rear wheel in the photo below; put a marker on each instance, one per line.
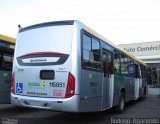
(120, 108)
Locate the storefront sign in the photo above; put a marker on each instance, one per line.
(143, 49)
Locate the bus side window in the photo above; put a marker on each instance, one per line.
(143, 71)
(124, 64)
(131, 68)
(110, 64)
(1, 59)
(91, 52)
(107, 64)
(117, 63)
(7, 61)
(137, 72)
(104, 64)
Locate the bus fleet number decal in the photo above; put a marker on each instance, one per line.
(57, 84)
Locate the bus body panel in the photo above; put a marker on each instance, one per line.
(111, 91)
(5, 86)
(137, 88)
(128, 83)
(91, 91)
(76, 55)
(56, 104)
(118, 80)
(28, 79)
(107, 93)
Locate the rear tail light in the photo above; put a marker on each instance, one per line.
(13, 84)
(70, 91)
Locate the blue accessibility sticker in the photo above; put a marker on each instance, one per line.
(19, 87)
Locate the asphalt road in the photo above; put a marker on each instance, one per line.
(134, 112)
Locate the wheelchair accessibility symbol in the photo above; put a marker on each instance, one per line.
(19, 87)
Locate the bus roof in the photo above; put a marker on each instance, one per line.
(112, 44)
(7, 38)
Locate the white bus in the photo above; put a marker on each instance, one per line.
(66, 66)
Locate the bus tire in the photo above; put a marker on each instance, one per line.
(120, 107)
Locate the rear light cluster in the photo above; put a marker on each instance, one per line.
(12, 84)
(70, 91)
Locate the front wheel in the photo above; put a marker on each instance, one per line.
(120, 108)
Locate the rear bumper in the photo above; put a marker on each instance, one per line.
(57, 104)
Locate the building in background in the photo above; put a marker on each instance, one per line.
(7, 45)
(149, 52)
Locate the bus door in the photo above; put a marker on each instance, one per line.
(137, 82)
(106, 85)
(5, 77)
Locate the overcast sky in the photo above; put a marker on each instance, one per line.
(120, 21)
